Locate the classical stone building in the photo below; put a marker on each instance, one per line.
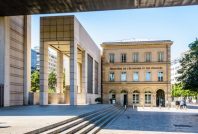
(136, 73)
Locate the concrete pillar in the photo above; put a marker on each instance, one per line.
(27, 59)
(84, 77)
(73, 73)
(59, 69)
(43, 73)
(5, 57)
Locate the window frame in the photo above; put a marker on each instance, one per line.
(123, 57)
(125, 76)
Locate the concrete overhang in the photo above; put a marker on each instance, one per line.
(29, 7)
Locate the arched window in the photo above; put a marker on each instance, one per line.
(147, 97)
(136, 96)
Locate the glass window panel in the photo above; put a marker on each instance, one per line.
(123, 76)
(135, 76)
(148, 76)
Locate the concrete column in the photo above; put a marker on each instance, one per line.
(84, 77)
(27, 59)
(43, 73)
(59, 72)
(5, 57)
(73, 73)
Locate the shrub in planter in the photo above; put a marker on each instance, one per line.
(98, 100)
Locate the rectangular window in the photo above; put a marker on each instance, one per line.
(96, 77)
(111, 76)
(135, 76)
(135, 57)
(147, 98)
(90, 74)
(111, 58)
(123, 58)
(135, 98)
(160, 56)
(148, 76)
(148, 57)
(123, 76)
(160, 76)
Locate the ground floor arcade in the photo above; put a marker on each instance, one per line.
(141, 95)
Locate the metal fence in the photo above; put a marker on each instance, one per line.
(1, 95)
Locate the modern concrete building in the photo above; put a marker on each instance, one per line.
(67, 36)
(15, 59)
(136, 73)
(52, 59)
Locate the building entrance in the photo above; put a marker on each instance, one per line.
(160, 98)
(125, 99)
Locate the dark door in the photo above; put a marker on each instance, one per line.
(160, 98)
(1, 95)
(125, 99)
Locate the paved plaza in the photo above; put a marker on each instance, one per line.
(155, 120)
(21, 119)
(18, 120)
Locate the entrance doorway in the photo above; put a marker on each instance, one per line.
(125, 100)
(160, 98)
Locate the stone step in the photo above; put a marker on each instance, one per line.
(97, 128)
(75, 122)
(43, 129)
(87, 122)
(92, 125)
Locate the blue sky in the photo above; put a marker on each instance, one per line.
(179, 24)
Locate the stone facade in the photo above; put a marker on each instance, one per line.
(135, 81)
(15, 53)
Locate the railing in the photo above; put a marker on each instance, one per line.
(1, 95)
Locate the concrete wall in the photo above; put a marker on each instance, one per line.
(15, 59)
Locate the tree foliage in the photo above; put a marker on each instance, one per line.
(52, 80)
(178, 91)
(189, 68)
(35, 81)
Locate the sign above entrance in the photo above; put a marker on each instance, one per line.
(133, 68)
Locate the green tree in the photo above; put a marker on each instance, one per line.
(177, 91)
(189, 70)
(52, 81)
(35, 81)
